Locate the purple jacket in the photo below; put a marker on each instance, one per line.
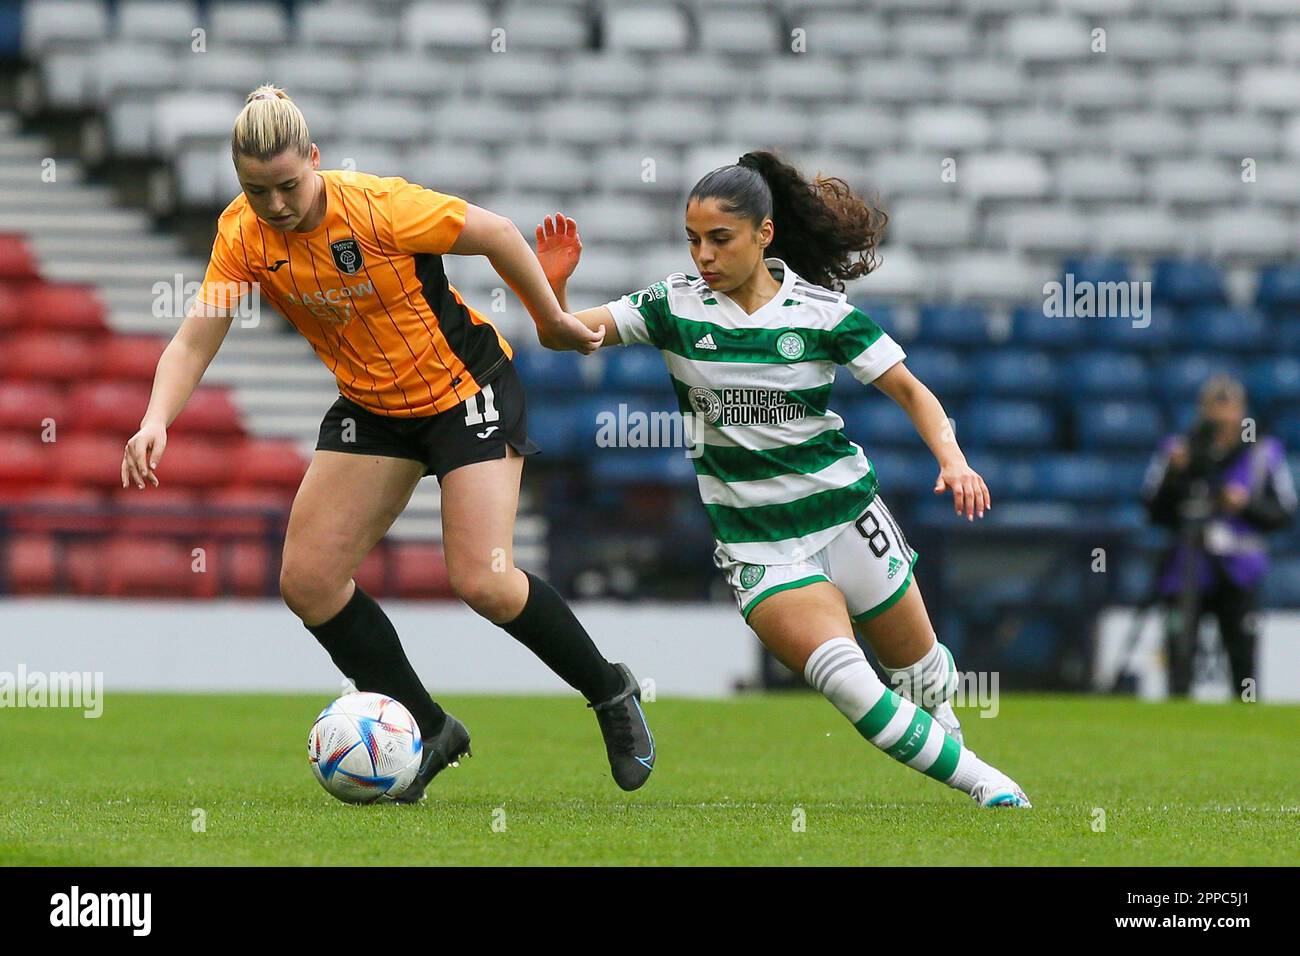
(1235, 542)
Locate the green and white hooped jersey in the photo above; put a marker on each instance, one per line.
(777, 475)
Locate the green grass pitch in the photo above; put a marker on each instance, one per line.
(1179, 784)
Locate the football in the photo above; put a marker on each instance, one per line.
(364, 748)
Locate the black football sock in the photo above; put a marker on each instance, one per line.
(365, 647)
(548, 628)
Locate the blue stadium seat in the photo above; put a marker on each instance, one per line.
(1008, 478)
(1222, 329)
(555, 427)
(1017, 373)
(1121, 333)
(632, 369)
(626, 420)
(1088, 477)
(1006, 424)
(1117, 424)
(632, 466)
(1286, 425)
(1188, 282)
(1279, 288)
(876, 421)
(942, 370)
(1180, 377)
(1030, 327)
(954, 325)
(902, 473)
(1113, 374)
(1272, 380)
(564, 372)
(885, 315)
(1282, 583)
(1096, 269)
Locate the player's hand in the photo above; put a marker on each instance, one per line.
(142, 455)
(1233, 498)
(969, 493)
(566, 333)
(558, 248)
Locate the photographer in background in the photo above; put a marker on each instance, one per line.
(1221, 494)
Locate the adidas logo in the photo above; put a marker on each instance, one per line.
(894, 565)
(707, 343)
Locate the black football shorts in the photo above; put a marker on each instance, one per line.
(478, 429)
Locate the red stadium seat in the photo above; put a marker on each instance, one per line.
(191, 462)
(419, 571)
(16, 259)
(269, 463)
(23, 461)
(31, 564)
(108, 408)
(134, 566)
(84, 459)
(25, 405)
(11, 313)
(370, 575)
(246, 568)
(131, 358)
(56, 356)
(64, 308)
(157, 512)
(46, 508)
(209, 411)
(251, 524)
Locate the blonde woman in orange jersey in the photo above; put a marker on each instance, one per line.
(426, 387)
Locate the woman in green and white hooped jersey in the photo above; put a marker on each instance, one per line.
(806, 542)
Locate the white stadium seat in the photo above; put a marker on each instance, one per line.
(895, 80)
(924, 222)
(1201, 88)
(1002, 176)
(618, 76)
(849, 35)
(1056, 230)
(688, 76)
(1232, 43)
(1137, 230)
(225, 70)
(1100, 85)
(1196, 181)
(1269, 88)
(533, 76)
(459, 170)
(948, 128)
(778, 126)
(1145, 41)
(1245, 234)
(410, 74)
(627, 169)
(1042, 130)
(237, 23)
(674, 122)
(355, 26)
(647, 28)
(179, 116)
(446, 26)
(1236, 134)
(554, 168)
(582, 124)
(931, 36)
(545, 28)
(1089, 178)
(755, 33)
(158, 21)
(473, 120)
(902, 274)
(910, 174)
(626, 220)
(134, 69)
(384, 120)
(1047, 39)
(1148, 134)
(985, 83)
(993, 276)
(813, 80)
(320, 72)
(857, 126)
(51, 24)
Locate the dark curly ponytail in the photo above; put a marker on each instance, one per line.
(823, 231)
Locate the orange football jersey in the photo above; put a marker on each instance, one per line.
(367, 288)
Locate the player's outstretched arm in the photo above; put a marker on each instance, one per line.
(487, 234)
(180, 368)
(969, 492)
(558, 250)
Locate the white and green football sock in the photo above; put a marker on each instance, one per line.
(930, 681)
(839, 670)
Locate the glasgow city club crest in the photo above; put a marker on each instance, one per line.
(347, 256)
